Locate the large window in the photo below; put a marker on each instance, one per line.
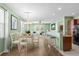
(1, 30)
(1, 23)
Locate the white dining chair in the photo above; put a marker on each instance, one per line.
(36, 40)
(29, 42)
(22, 45)
(14, 40)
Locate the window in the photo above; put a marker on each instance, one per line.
(1, 30)
(1, 23)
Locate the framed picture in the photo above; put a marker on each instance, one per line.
(13, 22)
(53, 26)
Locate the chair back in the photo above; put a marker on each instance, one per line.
(22, 40)
(13, 36)
(35, 36)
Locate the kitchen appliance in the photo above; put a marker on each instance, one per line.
(76, 34)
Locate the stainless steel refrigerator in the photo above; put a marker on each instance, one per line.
(76, 34)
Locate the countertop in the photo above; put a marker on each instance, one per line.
(67, 35)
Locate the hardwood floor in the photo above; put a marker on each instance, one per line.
(42, 50)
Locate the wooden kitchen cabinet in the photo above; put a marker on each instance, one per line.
(76, 22)
(67, 43)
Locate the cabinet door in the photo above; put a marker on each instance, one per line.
(67, 43)
(75, 21)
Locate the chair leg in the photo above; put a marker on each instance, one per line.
(26, 50)
(11, 47)
(19, 49)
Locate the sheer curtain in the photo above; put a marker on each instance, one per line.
(7, 40)
(1, 23)
(1, 29)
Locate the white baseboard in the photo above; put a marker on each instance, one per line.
(3, 52)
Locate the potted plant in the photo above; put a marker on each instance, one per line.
(28, 32)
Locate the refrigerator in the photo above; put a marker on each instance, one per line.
(76, 34)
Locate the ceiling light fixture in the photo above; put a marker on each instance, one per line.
(73, 13)
(28, 14)
(59, 8)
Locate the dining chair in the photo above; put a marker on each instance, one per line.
(14, 40)
(36, 40)
(22, 45)
(29, 42)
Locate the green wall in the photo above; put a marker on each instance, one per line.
(46, 27)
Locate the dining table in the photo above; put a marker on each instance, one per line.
(29, 40)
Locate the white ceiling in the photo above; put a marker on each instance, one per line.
(45, 11)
